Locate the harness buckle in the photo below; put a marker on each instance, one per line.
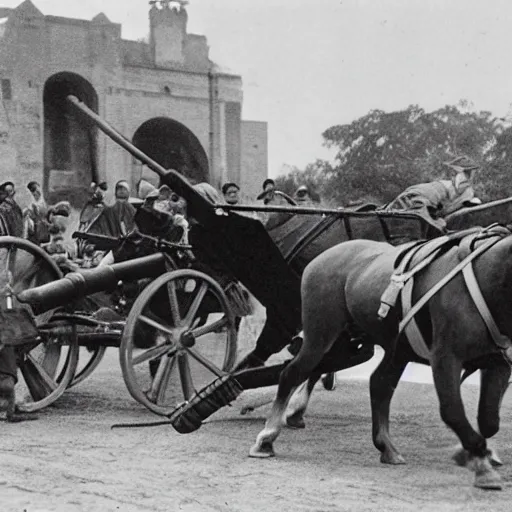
(390, 295)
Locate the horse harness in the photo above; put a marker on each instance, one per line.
(423, 253)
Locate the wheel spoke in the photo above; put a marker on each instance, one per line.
(156, 325)
(194, 307)
(207, 328)
(11, 261)
(205, 362)
(162, 374)
(164, 381)
(38, 382)
(154, 353)
(22, 282)
(185, 376)
(45, 376)
(173, 302)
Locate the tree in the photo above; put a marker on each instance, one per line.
(380, 154)
(312, 176)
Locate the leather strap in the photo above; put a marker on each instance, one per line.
(418, 341)
(412, 331)
(501, 340)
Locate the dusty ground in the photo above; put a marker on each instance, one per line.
(71, 461)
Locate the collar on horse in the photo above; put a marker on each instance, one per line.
(402, 282)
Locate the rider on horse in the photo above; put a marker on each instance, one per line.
(442, 197)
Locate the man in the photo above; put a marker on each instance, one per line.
(439, 198)
(94, 206)
(269, 185)
(10, 211)
(302, 196)
(91, 213)
(122, 211)
(36, 223)
(231, 193)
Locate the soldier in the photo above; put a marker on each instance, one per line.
(439, 198)
(10, 211)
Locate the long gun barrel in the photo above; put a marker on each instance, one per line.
(76, 285)
(197, 205)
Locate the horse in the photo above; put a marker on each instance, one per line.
(301, 238)
(344, 285)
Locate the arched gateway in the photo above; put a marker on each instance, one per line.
(70, 142)
(173, 146)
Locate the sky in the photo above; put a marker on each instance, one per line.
(309, 65)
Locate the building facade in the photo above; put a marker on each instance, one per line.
(165, 95)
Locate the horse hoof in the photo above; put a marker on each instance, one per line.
(494, 458)
(461, 457)
(262, 451)
(394, 459)
(489, 481)
(295, 421)
(329, 381)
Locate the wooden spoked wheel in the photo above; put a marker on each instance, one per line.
(47, 364)
(179, 336)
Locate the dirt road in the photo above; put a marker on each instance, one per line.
(71, 461)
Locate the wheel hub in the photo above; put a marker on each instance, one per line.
(187, 339)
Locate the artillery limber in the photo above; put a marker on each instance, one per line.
(173, 319)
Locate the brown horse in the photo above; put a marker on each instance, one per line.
(344, 285)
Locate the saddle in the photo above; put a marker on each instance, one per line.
(416, 256)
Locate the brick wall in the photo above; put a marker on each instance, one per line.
(254, 158)
(34, 47)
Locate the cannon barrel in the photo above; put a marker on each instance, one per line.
(76, 285)
(201, 209)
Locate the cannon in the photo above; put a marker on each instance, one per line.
(175, 332)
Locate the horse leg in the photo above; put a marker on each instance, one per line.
(322, 322)
(383, 382)
(446, 370)
(291, 377)
(493, 384)
(295, 413)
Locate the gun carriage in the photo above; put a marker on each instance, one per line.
(171, 317)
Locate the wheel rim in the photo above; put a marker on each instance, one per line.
(88, 361)
(47, 367)
(190, 338)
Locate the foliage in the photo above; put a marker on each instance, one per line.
(380, 154)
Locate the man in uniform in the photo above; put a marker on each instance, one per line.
(439, 198)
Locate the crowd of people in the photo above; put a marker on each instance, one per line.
(47, 225)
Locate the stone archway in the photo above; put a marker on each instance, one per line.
(70, 140)
(173, 146)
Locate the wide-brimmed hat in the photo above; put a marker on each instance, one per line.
(462, 164)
